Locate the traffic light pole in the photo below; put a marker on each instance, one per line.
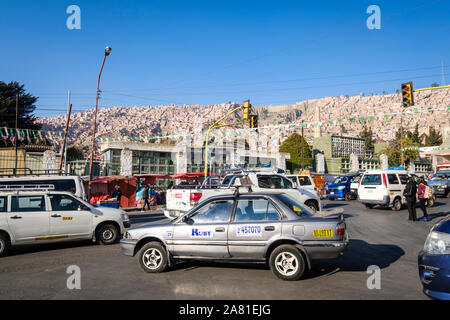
(214, 126)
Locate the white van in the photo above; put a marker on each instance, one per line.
(303, 181)
(383, 187)
(73, 184)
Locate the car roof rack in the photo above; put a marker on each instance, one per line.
(27, 187)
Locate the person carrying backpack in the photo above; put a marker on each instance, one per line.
(423, 194)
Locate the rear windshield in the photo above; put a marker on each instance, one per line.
(371, 179)
(298, 209)
(304, 181)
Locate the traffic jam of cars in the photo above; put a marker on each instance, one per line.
(251, 217)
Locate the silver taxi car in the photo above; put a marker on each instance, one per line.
(250, 227)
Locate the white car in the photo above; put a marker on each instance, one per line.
(182, 199)
(32, 217)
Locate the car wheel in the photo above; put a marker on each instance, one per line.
(397, 205)
(312, 205)
(287, 263)
(430, 202)
(4, 244)
(368, 205)
(348, 196)
(153, 257)
(107, 234)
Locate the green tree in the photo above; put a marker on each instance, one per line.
(26, 106)
(367, 135)
(415, 136)
(75, 153)
(293, 146)
(393, 151)
(433, 138)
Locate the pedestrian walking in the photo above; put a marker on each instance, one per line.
(423, 194)
(410, 194)
(145, 196)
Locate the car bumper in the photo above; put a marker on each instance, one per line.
(386, 200)
(434, 273)
(336, 195)
(127, 246)
(440, 192)
(326, 249)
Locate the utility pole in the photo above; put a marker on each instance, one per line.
(401, 139)
(107, 52)
(15, 140)
(63, 150)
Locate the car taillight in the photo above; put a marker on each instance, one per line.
(196, 196)
(340, 230)
(384, 180)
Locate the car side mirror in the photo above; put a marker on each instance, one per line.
(294, 185)
(83, 208)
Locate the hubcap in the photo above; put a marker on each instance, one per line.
(152, 258)
(286, 263)
(107, 234)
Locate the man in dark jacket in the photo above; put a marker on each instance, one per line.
(410, 195)
(116, 194)
(145, 196)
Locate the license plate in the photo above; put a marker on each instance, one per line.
(331, 192)
(323, 233)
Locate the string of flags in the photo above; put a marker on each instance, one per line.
(28, 135)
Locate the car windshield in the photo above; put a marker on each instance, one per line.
(339, 180)
(298, 209)
(441, 176)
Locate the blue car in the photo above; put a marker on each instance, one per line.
(434, 262)
(340, 188)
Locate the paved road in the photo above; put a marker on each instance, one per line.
(378, 237)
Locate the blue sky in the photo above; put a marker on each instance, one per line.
(206, 52)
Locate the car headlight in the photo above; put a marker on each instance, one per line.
(341, 187)
(124, 217)
(127, 235)
(437, 243)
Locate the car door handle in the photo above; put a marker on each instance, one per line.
(16, 217)
(270, 228)
(220, 229)
(55, 216)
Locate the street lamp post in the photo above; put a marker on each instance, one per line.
(107, 52)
